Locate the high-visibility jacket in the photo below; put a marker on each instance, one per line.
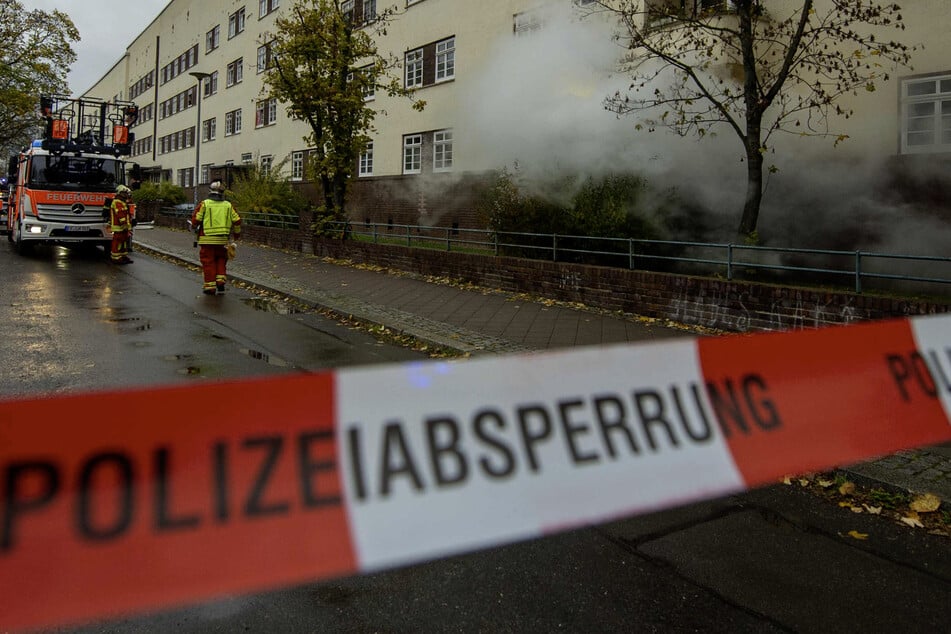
(120, 216)
(217, 219)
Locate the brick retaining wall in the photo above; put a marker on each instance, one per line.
(733, 306)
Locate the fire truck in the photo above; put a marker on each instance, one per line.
(59, 184)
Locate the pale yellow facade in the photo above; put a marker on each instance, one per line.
(479, 34)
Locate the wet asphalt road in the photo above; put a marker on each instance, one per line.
(76, 322)
(775, 560)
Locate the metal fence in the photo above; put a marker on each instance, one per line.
(857, 270)
(278, 221)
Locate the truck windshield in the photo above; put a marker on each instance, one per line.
(84, 173)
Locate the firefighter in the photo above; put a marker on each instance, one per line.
(120, 219)
(215, 220)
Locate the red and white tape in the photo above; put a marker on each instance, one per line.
(245, 485)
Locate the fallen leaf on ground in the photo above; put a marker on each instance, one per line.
(927, 503)
(825, 484)
(858, 535)
(847, 488)
(874, 510)
(912, 520)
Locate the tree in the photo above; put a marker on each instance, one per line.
(35, 56)
(323, 64)
(759, 72)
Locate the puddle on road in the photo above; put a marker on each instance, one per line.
(263, 356)
(270, 305)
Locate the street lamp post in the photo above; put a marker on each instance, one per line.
(200, 77)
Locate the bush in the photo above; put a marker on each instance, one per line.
(257, 191)
(165, 191)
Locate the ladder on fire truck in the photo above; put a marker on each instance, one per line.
(87, 125)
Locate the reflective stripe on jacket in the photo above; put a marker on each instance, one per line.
(218, 219)
(120, 218)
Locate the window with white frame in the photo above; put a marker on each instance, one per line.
(186, 177)
(205, 174)
(527, 22)
(414, 68)
(265, 57)
(210, 84)
(346, 8)
(412, 153)
(265, 113)
(267, 162)
(233, 122)
(366, 160)
(209, 129)
(442, 151)
(235, 72)
(236, 23)
(212, 39)
(297, 166)
(369, 11)
(267, 6)
(446, 59)
(926, 114)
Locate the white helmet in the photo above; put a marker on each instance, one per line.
(217, 187)
(123, 190)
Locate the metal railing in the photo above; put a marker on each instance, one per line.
(278, 221)
(856, 270)
(852, 269)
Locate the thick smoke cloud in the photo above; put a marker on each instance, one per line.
(538, 105)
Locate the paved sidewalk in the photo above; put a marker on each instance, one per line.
(484, 321)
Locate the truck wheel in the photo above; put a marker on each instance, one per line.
(21, 247)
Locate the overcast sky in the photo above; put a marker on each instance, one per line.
(106, 28)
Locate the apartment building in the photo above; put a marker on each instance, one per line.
(196, 73)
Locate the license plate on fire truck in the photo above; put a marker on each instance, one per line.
(72, 229)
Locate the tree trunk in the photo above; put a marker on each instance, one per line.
(754, 189)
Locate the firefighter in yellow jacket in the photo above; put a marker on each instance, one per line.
(215, 220)
(120, 221)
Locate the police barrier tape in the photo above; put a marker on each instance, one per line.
(253, 484)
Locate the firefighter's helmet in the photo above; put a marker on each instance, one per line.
(217, 188)
(122, 190)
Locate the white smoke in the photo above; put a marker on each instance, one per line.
(538, 105)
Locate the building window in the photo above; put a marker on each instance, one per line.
(414, 68)
(208, 129)
(346, 8)
(366, 160)
(210, 85)
(233, 122)
(297, 166)
(267, 6)
(212, 39)
(186, 177)
(236, 23)
(267, 162)
(265, 57)
(247, 158)
(446, 59)
(412, 153)
(442, 151)
(926, 115)
(235, 72)
(527, 22)
(369, 11)
(265, 113)
(205, 174)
